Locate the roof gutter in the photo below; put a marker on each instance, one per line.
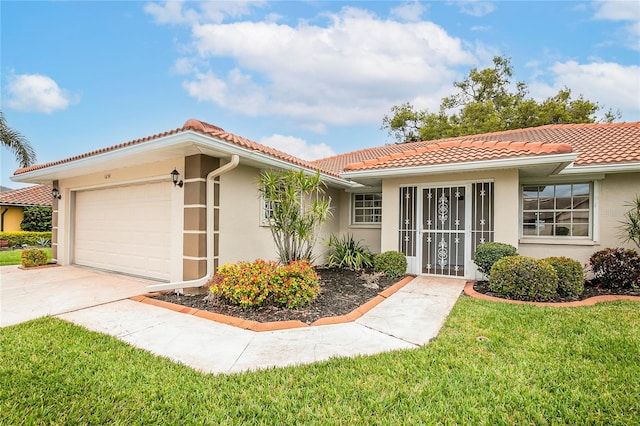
(235, 160)
(602, 168)
(459, 167)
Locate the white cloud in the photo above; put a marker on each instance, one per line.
(37, 93)
(598, 82)
(350, 71)
(626, 11)
(175, 12)
(411, 12)
(298, 147)
(474, 7)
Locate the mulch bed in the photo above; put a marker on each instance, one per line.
(591, 289)
(341, 292)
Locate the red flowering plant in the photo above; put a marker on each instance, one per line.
(251, 284)
(296, 284)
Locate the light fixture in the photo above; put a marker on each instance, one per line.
(175, 178)
(56, 193)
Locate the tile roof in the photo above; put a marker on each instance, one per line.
(595, 143)
(198, 126)
(36, 195)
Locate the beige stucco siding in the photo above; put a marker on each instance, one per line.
(367, 235)
(505, 193)
(242, 235)
(610, 195)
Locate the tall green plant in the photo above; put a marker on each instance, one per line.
(631, 224)
(37, 219)
(298, 207)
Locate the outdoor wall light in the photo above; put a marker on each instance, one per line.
(175, 178)
(56, 193)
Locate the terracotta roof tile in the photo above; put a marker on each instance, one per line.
(595, 143)
(198, 126)
(36, 195)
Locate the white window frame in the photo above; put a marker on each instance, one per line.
(567, 239)
(354, 208)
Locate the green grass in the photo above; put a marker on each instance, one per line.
(12, 257)
(537, 366)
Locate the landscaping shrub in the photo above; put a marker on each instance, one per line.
(523, 278)
(489, 253)
(244, 283)
(392, 263)
(251, 284)
(616, 268)
(36, 219)
(570, 275)
(20, 238)
(346, 253)
(34, 257)
(296, 284)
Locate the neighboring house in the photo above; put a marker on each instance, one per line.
(14, 201)
(551, 190)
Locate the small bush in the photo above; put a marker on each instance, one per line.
(489, 253)
(244, 283)
(345, 252)
(523, 278)
(296, 284)
(252, 284)
(392, 263)
(616, 268)
(34, 257)
(570, 275)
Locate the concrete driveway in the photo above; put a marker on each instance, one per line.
(34, 293)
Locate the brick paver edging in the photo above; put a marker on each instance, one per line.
(469, 291)
(275, 325)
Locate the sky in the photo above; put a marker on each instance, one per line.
(312, 78)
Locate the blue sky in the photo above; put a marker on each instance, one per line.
(312, 78)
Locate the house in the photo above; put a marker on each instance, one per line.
(14, 201)
(153, 206)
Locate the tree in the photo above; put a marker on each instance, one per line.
(297, 208)
(36, 219)
(484, 104)
(18, 144)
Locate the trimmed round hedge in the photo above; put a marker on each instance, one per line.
(523, 278)
(392, 263)
(570, 275)
(489, 253)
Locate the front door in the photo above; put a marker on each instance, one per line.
(445, 217)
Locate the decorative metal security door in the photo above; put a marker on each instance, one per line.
(444, 223)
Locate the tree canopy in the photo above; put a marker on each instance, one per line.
(487, 102)
(16, 143)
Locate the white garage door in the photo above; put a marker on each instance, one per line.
(125, 229)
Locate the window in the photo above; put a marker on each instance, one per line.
(562, 210)
(266, 212)
(367, 209)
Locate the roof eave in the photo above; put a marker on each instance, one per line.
(179, 140)
(563, 161)
(602, 168)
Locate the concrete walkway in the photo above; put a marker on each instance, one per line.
(409, 318)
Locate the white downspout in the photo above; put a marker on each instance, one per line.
(235, 160)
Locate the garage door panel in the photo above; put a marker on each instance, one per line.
(125, 229)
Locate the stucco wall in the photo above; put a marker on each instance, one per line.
(610, 196)
(12, 218)
(367, 235)
(242, 235)
(505, 193)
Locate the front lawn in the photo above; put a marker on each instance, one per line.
(492, 364)
(12, 257)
